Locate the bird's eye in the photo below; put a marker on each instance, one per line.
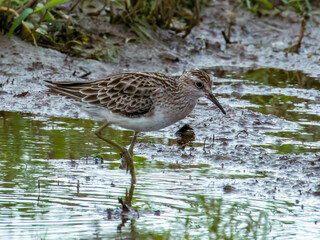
(199, 84)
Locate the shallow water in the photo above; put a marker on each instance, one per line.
(290, 95)
(52, 188)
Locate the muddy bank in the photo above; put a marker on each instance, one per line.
(258, 43)
(265, 151)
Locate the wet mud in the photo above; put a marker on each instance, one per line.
(260, 161)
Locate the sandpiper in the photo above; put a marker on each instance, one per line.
(140, 101)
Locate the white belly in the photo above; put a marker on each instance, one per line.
(160, 119)
(146, 124)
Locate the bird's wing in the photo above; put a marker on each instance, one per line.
(129, 94)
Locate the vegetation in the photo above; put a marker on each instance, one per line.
(274, 7)
(233, 220)
(263, 7)
(59, 24)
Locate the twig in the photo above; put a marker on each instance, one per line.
(204, 144)
(213, 138)
(231, 18)
(28, 5)
(302, 30)
(74, 5)
(296, 47)
(78, 187)
(242, 131)
(39, 190)
(225, 37)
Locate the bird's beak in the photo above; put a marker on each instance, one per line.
(215, 101)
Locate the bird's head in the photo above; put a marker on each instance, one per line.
(199, 84)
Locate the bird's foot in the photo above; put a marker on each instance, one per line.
(127, 163)
(126, 159)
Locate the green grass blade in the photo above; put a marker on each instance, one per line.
(248, 4)
(20, 19)
(268, 4)
(53, 3)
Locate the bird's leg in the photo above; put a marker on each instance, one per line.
(124, 152)
(98, 133)
(129, 195)
(133, 142)
(125, 164)
(128, 161)
(131, 163)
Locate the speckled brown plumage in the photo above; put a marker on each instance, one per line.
(142, 94)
